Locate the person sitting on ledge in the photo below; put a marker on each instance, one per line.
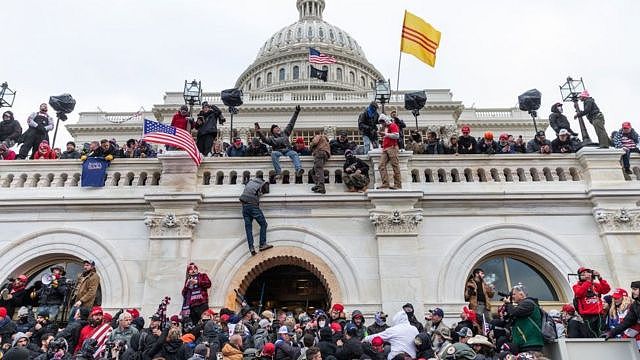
(340, 145)
(564, 144)
(539, 144)
(237, 149)
(356, 173)
(279, 141)
(487, 145)
(301, 148)
(256, 148)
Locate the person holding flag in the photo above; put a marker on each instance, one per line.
(157, 133)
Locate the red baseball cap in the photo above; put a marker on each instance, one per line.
(338, 307)
(268, 349)
(134, 313)
(568, 308)
(336, 327)
(96, 310)
(626, 125)
(377, 341)
(619, 293)
(3, 312)
(466, 129)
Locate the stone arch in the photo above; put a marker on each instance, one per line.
(32, 249)
(303, 247)
(283, 255)
(543, 249)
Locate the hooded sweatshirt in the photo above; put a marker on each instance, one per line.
(45, 152)
(558, 121)
(400, 335)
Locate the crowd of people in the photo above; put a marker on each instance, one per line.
(378, 130)
(517, 329)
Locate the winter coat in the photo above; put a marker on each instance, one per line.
(203, 284)
(576, 328)
(259, 149)
(304, 151)
(210, 120)
(119, 334)
(281, 141)
(425, 350)
(145, 149)
(433, 147)
(375, 328)
(534, 146)
(464, 142)
(350, 349)
(7, 328)
(506, 148)
(591, 110)
(174, 350)
(570, 145)
(253, 190)
(8, 155)
(527, 324)
(87, 288)
(400, 336)
(50, 295)
(368, 353)
(488, 147)
(71, 333)
(10, 130)
(181, 122)
(632, 318)
(70, 155)
(45, 152)
(233, 151)
(320, 144)
(471, 294)
(617, 138)
(339, 147)
(286, 350)
(230, 352)
(356, 164)
(558, 121)
(146, 343)
(368, 126)
(588, 295)
(326, 344)
(412, 318)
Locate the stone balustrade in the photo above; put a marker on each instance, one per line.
(417, 171)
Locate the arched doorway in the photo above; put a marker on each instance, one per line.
(287, 287)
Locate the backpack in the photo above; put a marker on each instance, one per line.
(548, 330)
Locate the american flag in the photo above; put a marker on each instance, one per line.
(316, 57)
(101, 334)
(154, 132)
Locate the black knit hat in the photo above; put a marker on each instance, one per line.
(273, 127)
(635, 284)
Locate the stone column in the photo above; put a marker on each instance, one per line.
(615, 211)
(172, 225)
(396, 223)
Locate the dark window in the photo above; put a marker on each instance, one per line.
(296, 72)
(504, 272)
(269, 78)
(339, 74)
(281, 74)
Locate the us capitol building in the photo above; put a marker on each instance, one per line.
(522, 218)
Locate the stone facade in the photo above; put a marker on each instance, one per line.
(371, 251)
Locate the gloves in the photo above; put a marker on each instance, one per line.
(607, 336)
(108, 157)
(297, 108)
(83, 157)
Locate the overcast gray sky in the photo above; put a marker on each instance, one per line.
(123, 54)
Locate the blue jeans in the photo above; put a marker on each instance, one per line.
(51, 309)
(249, 213)
(275, 158)
(367, 144)
(626, 157)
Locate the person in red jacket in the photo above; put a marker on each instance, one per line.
(194, 292)
(95, 320)
(588, 290)
(181, 119)
(6, 153)
(45, 152)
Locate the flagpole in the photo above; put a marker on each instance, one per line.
(398, 78)
(309, 77)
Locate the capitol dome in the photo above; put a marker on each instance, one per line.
(282, 62)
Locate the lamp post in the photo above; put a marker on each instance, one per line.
(569, 92)
(383, 92)
(192, 94)
(6, 95)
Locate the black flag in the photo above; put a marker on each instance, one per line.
(319, 74)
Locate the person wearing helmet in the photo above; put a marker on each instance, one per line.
(390, 151)
(595, 117)
(558, 121)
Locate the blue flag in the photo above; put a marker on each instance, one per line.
(94, 172)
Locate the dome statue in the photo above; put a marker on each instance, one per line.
(282, 62)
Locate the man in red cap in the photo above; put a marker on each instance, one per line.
(7, 327)
(16, 295)
(237, 149)
(337, 315)
(268, 351)
(300, 147)
(95, 320)
(467, 144)
(574, 325)
(595, 117)
(626, 139)
(588, 291)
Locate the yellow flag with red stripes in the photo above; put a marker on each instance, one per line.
(419, 39)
